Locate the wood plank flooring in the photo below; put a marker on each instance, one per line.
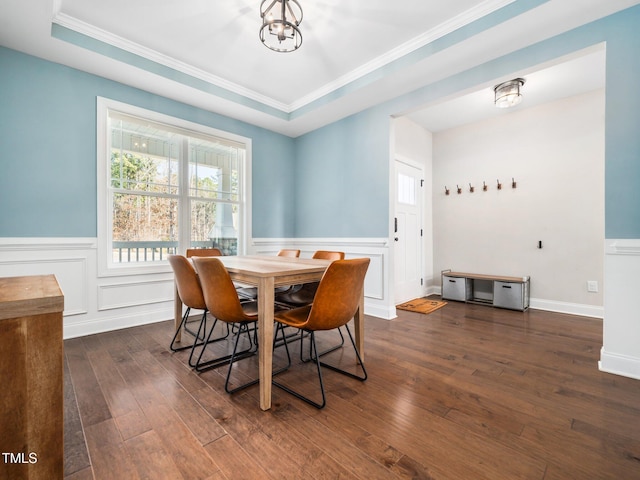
(466, 392)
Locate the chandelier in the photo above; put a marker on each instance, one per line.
(508, 94)
(280, 21)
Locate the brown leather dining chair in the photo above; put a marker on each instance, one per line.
(286, 252)
(335, 304)
(191, 295)
(203, 252)
(301, 295)
(223, 303)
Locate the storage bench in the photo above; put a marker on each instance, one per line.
(494, 290)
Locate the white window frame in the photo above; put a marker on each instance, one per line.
(104, 228)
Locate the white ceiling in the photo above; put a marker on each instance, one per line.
(341, 68)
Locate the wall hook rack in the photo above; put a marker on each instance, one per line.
(446, 190)
(499, 185)
(513, 183)
(471, 189)
(459, 189)
(484, 186)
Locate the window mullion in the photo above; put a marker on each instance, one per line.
(184, 220)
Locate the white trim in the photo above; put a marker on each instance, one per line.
(95, 304)
(277, 243)
(582, 310)
(620, 353)
(459, 21)
(117, 321)
(626, 246)
(49, 243)
(579, 309)
(619, 364)
(103, 106)
(378, 302)
(156, 286)
(84, 28)
(449, 26)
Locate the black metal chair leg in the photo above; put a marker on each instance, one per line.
(201, 366)
(233, 359)
(315, 357)
(299, 395)
(328, 350)
(172, 346)
(344, 372)
(203, 329)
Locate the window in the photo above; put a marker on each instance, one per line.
(165, 185)
(406, 189)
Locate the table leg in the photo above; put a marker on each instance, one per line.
(177, 312)
(265, 339)
(358, 321)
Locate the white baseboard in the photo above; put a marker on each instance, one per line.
(566, 307)
(553, 306)
(619, 364)
(117, 321)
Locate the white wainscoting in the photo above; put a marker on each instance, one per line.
(97, 304)
(620, 353)
(377, 300)
(91, 304)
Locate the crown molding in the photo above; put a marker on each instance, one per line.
(74, 24)
(459, 21)
(84, 28)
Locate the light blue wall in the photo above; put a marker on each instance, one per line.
(358, 148)
(622, 126)
(342, 178)
(48, 151)
(332, 182)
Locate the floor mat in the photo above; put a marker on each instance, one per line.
(421, 305)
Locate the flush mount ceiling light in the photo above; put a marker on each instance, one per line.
(280, 21)
(508, 94)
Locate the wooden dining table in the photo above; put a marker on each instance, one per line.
(267, 273)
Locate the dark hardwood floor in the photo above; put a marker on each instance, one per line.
(466, 392)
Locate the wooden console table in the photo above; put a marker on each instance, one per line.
(31, 369)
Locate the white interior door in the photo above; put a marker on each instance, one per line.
(408, 232)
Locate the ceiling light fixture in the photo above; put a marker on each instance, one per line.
(508, 94)
(280, 21)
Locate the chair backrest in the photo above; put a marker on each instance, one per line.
(289, 253)
(203, 252)
(187, 282)
(325, 255)
(338, 294)
(219, 291)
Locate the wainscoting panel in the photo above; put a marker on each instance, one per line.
(129, 294)
(68, 261)
(621, 350)
(378, 302)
